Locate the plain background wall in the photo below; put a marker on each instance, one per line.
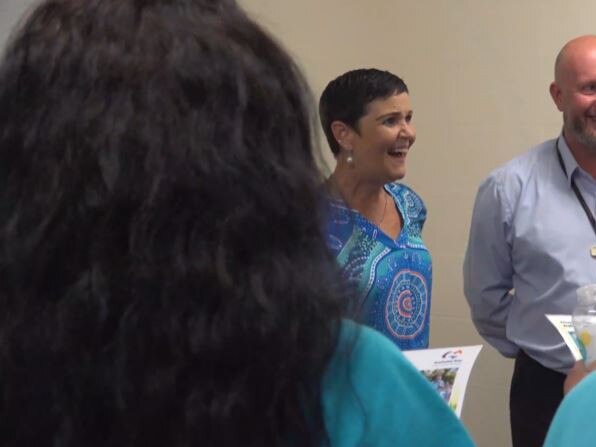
(10, 13)
(478, 73)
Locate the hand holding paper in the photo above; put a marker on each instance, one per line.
(576, 374)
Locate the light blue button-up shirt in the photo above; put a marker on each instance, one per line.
(528, 252)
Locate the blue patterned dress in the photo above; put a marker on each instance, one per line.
(393, 277)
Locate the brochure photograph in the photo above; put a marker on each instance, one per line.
(448, 370)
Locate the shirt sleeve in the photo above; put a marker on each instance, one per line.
(385, 401)
(573, 424)
(488, 270)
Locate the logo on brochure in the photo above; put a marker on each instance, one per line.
(452, 355)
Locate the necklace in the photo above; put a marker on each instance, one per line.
(333, 184)
(384, 209)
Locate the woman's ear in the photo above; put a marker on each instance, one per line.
(343, 134)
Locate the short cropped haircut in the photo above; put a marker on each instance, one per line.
(346, 98)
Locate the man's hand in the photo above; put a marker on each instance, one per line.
(576, 374)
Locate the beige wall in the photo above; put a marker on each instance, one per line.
(10, 13)
(478, 73)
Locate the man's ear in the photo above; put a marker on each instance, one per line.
(343, 134)
(556, 94)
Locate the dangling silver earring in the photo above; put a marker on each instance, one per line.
(350, 158)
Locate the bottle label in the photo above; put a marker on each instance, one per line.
(587, 343)
(584, 339)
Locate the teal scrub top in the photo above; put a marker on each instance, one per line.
(574, 423)
(373, 396)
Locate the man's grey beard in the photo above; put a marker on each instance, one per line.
(578, 128)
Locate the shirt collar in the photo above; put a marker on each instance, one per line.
(569, 162)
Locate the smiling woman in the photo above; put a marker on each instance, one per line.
(374, 225)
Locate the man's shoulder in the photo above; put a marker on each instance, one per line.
(523, 165)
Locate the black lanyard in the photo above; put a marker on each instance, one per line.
(578, 194)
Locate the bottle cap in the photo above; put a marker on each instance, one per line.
(587, 294)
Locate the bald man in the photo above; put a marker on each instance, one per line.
(533, 243)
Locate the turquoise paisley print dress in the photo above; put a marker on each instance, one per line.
(393, 278)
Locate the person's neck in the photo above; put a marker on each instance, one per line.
(584, 156)
(358, 193)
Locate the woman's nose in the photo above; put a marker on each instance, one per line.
(407, 130)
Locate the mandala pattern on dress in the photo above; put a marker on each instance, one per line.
(405, 308)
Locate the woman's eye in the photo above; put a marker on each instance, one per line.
(389, 121)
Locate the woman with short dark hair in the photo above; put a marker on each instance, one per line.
(374, 224)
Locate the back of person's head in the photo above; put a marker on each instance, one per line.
(164, 276)
(346, 98)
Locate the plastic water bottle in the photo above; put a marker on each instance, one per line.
(584, 321)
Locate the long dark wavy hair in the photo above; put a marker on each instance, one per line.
(163, 276)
